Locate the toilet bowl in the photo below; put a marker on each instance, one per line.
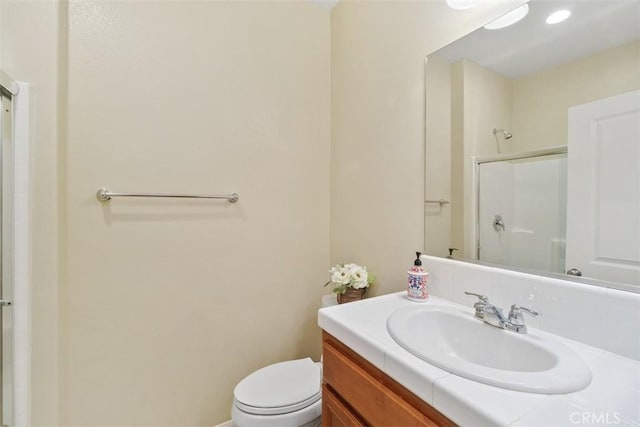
(285, 394)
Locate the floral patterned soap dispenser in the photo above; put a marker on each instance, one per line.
(418, 279)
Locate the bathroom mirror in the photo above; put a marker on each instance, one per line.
(512, 176)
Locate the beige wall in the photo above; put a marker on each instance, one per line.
(487, 104)
(31, 41)
(168, 304)
(378, 126)
(541, 101)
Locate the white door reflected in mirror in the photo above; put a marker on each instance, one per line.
(603, 197)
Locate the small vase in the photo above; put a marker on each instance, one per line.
(351, 294)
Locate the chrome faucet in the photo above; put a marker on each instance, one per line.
(493, 315)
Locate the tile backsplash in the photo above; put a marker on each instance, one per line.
(597, 316)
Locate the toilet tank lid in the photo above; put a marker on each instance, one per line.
(280, 384)
(329, 300)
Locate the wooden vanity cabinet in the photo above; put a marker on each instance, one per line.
(356, 393)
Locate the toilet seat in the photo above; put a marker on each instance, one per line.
(280, 388)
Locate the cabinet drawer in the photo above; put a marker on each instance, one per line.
(366, 394)
(335, 413)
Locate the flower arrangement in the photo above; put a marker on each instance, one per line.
(345, 276)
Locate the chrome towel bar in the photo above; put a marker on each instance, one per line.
(440, 202)
(104, 195)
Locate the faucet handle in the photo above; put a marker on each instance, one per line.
(480, 305)
(482, 298)
(516, 320)
(515, 310)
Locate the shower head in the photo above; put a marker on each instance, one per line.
(505, 133)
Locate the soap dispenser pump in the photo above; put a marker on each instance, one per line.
(418, 278)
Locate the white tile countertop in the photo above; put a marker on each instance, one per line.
(612, 398)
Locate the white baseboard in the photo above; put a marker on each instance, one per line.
(225, 424)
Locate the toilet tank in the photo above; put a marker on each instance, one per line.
(329, 300)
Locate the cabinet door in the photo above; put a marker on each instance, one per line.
(334, 413)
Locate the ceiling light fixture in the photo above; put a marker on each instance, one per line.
(508, 19)
(558, 16)
(461, 4)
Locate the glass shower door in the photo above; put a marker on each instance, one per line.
(6, 273)
(522, 212)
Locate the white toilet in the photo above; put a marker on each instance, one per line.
(285, 394)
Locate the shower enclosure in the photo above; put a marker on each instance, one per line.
(521, 210)
(6, 249)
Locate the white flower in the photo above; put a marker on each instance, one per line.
(359, 277)
(340, 275)
(349, 276)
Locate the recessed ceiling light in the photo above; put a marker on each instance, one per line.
(558, 16)
(509, 19)
(461, 4)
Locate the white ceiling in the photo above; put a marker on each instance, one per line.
(532, 45)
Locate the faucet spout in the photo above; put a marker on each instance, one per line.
(494, 316)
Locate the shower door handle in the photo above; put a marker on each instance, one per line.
(5, 303)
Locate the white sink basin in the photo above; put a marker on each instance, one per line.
(455, 341)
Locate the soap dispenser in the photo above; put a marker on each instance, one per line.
(418, 278)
